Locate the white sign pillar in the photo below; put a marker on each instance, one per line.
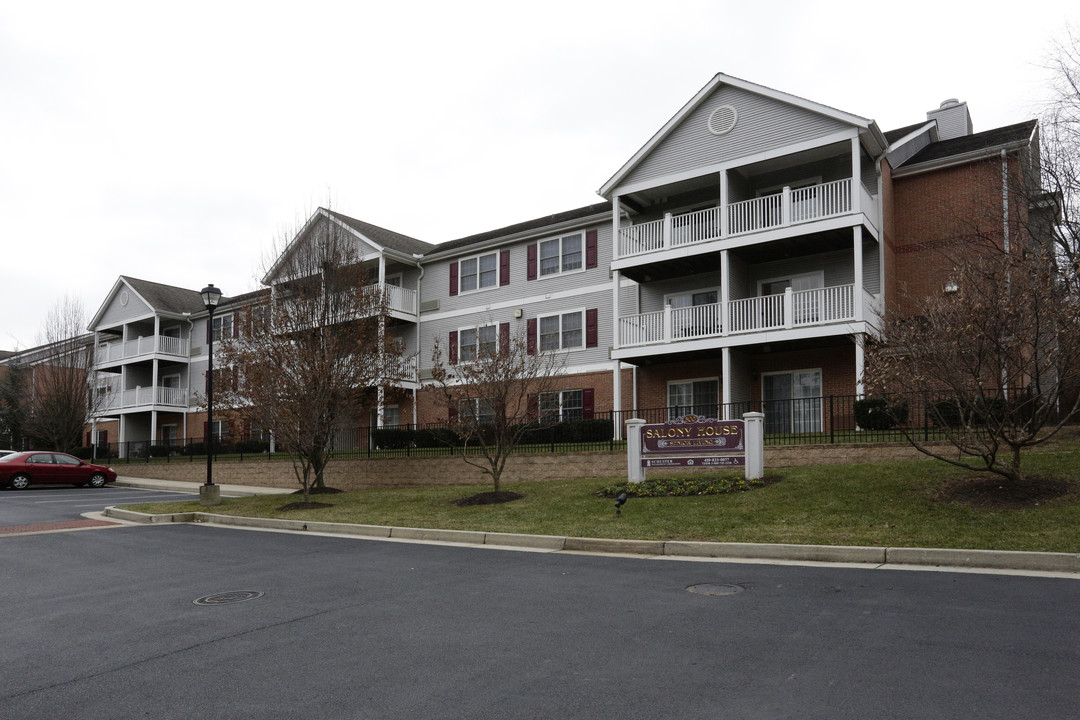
(755, 445)
(635, 473)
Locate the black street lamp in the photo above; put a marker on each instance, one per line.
(210, 494)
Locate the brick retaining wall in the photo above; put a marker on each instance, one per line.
(352, 473)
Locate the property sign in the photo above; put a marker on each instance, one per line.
(693, 441)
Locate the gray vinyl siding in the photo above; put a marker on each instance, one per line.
(838, 268)
(869, 173)
(117, 314)
(630, 298)
(764, 124)
(901, 155)
(440, 329)
(741, 377)
(871, 268)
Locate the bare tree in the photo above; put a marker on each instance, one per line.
(309, 352)
(58, 401)
(12, 395)
(1060, 172)
(488, 393)
(991, 363)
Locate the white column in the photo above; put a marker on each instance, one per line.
(382, 269)
(616, 400)
(754, 437)
(724, 230)
(856, 175)
(725, 292)
(725, 355)
(857, 248)
(860, 366)
(616, 293)
(153, 423)
(615, 227)
(634, 472)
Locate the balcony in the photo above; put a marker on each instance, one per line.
(146, 398)
(400, 302)
(785, 209)
(113, 352)
(790, 310)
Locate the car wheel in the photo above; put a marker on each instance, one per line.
(20, 482)
(98, 480)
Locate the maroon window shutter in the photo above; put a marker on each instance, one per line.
(453, 278)
(453, 347)
(530, 263)
(504, 337)
(206, 431)
(452, 414)
(206, 382)
(104, 437)
(530, 341)
(590, 248)
(89, 440)
(236, 326)
(235, 378)
(587, 404)
(590, 327)
(504, 267)
(534, 407)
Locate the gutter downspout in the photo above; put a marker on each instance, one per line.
(419, 286)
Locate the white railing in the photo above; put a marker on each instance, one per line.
(145, 396)
(398, 299)
(124, 350)
(772, 312)
(788, 207)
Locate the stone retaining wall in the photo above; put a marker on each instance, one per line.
(353, 473)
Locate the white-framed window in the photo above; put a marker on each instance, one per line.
(217, 429)
(563, 405)
(391, 416)
(478, 411)
(394, 280)
(476, 341)
(223, 327)
(694, 397)
(479, 272)
(565, 331)
(806, 305)
(562, 254)
(169, 434)
(791, 401)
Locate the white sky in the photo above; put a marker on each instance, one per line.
(176, 142)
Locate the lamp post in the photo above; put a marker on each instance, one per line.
(210, 494)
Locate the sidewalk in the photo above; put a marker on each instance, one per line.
(1056, 564)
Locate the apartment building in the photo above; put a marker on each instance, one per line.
(736, 260)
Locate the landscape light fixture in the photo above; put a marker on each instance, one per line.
(619, 502)
(210, 494)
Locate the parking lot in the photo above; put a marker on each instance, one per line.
(48, 505)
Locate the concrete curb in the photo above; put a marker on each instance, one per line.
(871, 556)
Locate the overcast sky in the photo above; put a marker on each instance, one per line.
(178, 142)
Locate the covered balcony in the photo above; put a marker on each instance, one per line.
(400, 302)
(791, 310)
(145, 398)
(787, 208)
(120, 350)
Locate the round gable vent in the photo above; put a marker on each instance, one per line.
(722, 120)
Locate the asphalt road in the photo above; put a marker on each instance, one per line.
(102, 623)
(44, 504)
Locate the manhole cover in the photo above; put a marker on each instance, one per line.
(228, 597)
(715, 589)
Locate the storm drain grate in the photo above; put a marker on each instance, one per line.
(715, 589)
(228, 597)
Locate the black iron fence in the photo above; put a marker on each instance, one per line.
(828, 419)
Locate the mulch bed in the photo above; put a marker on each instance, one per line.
(994, 491)
(488, 498)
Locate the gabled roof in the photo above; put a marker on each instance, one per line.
(892, 136)
(403, 246)
(706, 92)
(1019, 133)
(162, 299)
(383, 237)
(524, 227)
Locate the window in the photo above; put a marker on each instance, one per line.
(477, 342)
(476, 411)
(562, 332)
(688, 322)
(479, 272)
(561, 255)
(168, 435)
(792, 401)
(223, 327)
(693, 397)
(561, 406)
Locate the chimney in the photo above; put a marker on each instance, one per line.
(953, 119)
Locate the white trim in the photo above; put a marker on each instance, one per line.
(461, 330)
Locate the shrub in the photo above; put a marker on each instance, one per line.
(711, 484)
(253, 447)
(85, 453)
(392, 438)
(879, 414)
(160, 450)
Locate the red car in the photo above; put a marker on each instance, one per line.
(20, 469)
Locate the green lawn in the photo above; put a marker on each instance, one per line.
(880, 504)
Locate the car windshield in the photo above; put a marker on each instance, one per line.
(12, 456)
